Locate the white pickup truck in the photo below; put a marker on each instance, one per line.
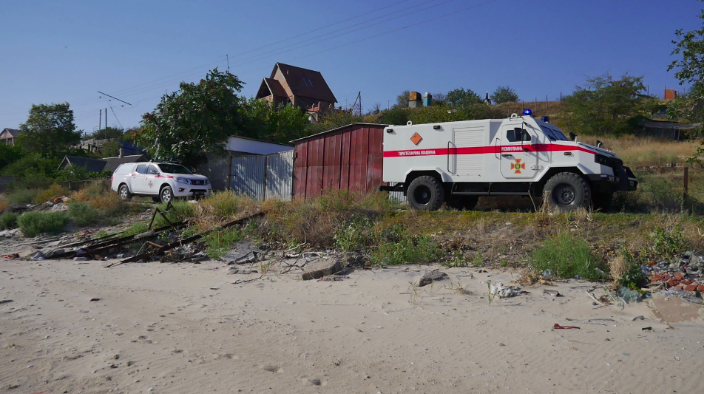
(160, 181)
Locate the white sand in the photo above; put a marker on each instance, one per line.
(162, 327)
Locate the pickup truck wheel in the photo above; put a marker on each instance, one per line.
(426, 193)
(166, 194)
(124, 192)
(567, 191)
(462, 202)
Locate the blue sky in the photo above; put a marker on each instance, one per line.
(57, 51)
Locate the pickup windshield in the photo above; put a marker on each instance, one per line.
(173, 169)
(554, 135)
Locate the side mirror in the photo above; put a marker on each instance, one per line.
(599, 144)
(518, 134)
(573, 136)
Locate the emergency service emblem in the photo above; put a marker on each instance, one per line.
(416, 138)
(518, 166)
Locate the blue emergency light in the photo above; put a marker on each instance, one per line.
(546, 119)
(528, 112)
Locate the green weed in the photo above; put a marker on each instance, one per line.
(83, 214)
(396, 246)
(22, 196)
(568, 256)
(34, 223)
(668, 244)
(8, 220)
(135, 228)
(220, 242)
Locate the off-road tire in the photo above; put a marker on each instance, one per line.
(602, 201)
(460, 203)
(567, 192)
(426, 193)
(166, 194)
(124, 192)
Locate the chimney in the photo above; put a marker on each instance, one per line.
(120, 155)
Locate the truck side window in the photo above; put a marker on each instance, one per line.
(510, 136)
(142, 169)
(152, 170)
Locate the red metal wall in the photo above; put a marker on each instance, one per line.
(349, 158)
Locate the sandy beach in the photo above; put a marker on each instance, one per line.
(186, 328)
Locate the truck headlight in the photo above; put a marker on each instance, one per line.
(183, 180)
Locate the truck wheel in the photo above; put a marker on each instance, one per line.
(462, 202)
(166, 194)
(567, 191)
(602, 201)
(124, 192)
(426, 193)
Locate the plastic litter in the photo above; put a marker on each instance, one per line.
(548, 274)
(629, 295)
(37, 256)
(502, 291)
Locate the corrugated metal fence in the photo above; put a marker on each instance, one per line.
(263, 176)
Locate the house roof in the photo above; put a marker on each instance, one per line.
(12, 132)
(305, 83)
(111, 163)
(337, 129)
(269, 87)
(91, 165)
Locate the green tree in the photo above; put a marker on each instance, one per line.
(462, 98)
(403, 99)
(107, 133)
(49, 130)
(504, 94)
(9, 154)
(689, 68)
(278, 125)
(606, 106)
(110, 149)
(195, 120)
(33, 167)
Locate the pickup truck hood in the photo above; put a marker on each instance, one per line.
(189, 176)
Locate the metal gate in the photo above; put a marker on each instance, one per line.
(262, 176)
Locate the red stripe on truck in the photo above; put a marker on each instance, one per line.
(482, 150)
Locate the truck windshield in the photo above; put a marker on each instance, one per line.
(173, 169)
(554, 135)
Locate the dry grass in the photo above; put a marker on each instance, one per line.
(642, 151)
(3, 205)
(49, 194)
(108, 203)
(618, 267)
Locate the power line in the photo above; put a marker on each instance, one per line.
(115, 115)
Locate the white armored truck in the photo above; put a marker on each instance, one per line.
(457, 162)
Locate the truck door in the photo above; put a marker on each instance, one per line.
(518, 156)
(465, 161)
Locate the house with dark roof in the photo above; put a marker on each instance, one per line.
(9, 136)
(300, 87)
(99, 165)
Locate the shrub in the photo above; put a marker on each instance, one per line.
(630, 273)
(223, 204)
(8, 220)
(107, 203)
(83, 214)
(180, 211)
(34, 223)
(22, 196)
(355, 236)
(49, 194)
(568, 256)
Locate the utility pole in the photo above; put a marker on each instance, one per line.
(228, 62)
(100, 120)
(106, 123)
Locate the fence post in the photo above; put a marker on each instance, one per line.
(266, 170)
(686, 182)
(229, 174)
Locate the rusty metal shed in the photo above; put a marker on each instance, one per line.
(347, 158)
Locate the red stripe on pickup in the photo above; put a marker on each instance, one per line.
(482, 150)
